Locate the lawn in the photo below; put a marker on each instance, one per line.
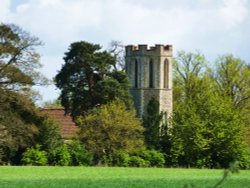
(103, 177)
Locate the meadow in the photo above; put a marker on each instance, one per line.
(95, 177)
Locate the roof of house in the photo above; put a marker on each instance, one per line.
(67, 126)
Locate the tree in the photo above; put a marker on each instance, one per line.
(87, 80)
(110, 128)
(18, 59)
(116, 49)
(207, 130)
(155, 128)
(20, 119)
(49, 136)
(187, 68)
(233, 78)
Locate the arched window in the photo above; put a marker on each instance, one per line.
(151, 74)
(136, 73)
(166, 74)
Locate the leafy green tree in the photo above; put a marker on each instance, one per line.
(18, 59)
(49, 136)
(109, 128)
(155, 127)
(87, 80)
(20, 119)
(232, 76)
(207, 130)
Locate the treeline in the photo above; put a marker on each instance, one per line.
(209, 126)
(211, 111)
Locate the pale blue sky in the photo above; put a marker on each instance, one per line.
(215, 27)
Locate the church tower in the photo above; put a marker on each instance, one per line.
(150, 74)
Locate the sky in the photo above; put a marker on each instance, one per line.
(214, 27)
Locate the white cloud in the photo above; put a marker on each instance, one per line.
(57, 20)
(4, 10)
(234, 12)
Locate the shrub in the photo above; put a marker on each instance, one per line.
(106, 160)
(34, 156)
(79, 155)
(153, 157)
(136, 161)
(120, 158)
(60, 156)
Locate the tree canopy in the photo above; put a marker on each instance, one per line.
(19, 60)
(208, 131)
(88, 79)
(110, 128)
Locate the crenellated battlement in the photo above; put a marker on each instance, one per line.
(143, 49)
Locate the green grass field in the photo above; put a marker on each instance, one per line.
(72, 177)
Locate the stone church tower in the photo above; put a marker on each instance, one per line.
(150, 75)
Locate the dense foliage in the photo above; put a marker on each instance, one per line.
(208, 131)
(35, 156)
(60, 156)
(88, 79)
(49, 136)
(79, 154)
(141, 157)
(20, 120)
(155, 133)
(109, 128)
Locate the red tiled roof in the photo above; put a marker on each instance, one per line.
(67, 126)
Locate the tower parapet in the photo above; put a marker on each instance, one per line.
(143, 49)
(150, 73)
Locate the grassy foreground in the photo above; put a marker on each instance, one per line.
(72, 177)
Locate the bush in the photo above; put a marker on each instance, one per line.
(34, 156)
(136, 161)
(60, 156)
(140, 158)
(106, 160)
(120, 158)
(79, 155)
(153, 157)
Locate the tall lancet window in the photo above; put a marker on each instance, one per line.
(151, 74)
(166, 74)
(136, 74)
